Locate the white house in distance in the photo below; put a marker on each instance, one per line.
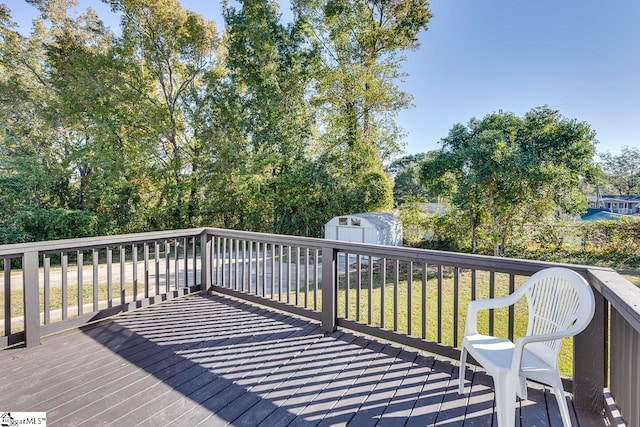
(626, 205)
(372, 227)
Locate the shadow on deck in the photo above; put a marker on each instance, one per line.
(212, 360)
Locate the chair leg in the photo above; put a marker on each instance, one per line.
(558, 390)
(522, 388)
(461, 370)
(505, 401)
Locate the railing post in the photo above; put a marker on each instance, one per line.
(329, 288)
(205, 257)
(31, 299)
(590, 361)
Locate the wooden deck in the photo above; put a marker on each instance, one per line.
(213, 361)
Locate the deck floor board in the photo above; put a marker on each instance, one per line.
(215, 361)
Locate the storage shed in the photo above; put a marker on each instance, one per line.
(371, 227)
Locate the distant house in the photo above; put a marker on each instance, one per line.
(625, 205)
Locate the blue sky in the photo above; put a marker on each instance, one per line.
(581, 57)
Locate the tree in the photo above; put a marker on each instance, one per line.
(406, 178)
(361, 45)
(91, 108)
(40, 140)
(165, 54)
(622, 172)
(504, 171)
(269, 65)
(84, 122)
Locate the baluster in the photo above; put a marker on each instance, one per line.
(195, 260)
(7, 296)
(473, 285)
(315, 275)
(264, 270)
(297, 276)
(456, 303)
(370, 293)
(146, 269)
(288, 274)
(396, 282)
(218, 278)
(65, 263)
(109, 277)
(273, 269)
(47, 287)
(492, 289)
(439, 296)
(185, 256)
(306, 277)
(236, 268)
(409, 296)
(358, 286)
(512, 288)
(156, 259)
(123, 273)
(347, 284)
(246, 266)
(223, 281)
(80, 262)
(176, 262)
(134, 264)
(167, 266)
(95, 264)
(383, 283)
(424, 301)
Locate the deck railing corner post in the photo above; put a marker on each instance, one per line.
(329, 289)
(590, 361)
(31, 299)
(205, 257)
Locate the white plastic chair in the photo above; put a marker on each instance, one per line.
(561, 304)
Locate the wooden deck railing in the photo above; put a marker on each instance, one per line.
(410, 296)
(50, 286)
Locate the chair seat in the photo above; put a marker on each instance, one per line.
(496, 354)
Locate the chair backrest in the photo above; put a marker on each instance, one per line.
(560, 301)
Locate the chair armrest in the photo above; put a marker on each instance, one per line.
(523, 341)
(485, 304)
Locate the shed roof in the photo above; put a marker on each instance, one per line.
(377, 219)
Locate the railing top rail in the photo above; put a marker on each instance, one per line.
(51, 246)
(455, 259)
(281, 239)
(623, 295)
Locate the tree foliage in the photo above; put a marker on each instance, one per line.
(622, 171)
(360, 44)
(166, 123)
(504, 171)
(406, 178)
(270, 67)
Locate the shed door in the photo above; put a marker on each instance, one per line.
(351, 234)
